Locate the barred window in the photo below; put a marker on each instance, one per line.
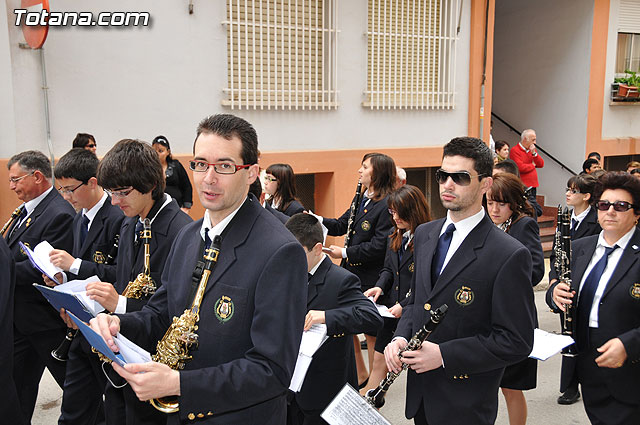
(282, 54)
(412, 54)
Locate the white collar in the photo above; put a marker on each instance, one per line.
(91, 214)
(313, 270)
(218, 228)
(32, 204)
(580, 216)
(465, 226)
(622, 242)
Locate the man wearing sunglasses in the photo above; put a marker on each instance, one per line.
(38, 329)
(252, 313)
(484, 276)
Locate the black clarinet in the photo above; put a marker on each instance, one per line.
(62, 352)
(375, 396)
(352, 214)
(562, 265)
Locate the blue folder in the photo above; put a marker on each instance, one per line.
(67, 301)
(97, 342)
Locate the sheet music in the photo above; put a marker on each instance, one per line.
(78, 289)
(39, 258)
(546, 344)
(350, 408)
(311, 341)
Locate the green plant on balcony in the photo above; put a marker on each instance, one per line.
(629, 85)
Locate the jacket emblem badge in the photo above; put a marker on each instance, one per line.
(635, 291)
(98, 257)
(22, 250)
(28, 222)
(224, 309)
(464, 296)
(366, 226)
(412, 267)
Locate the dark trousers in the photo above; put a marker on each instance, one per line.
(420, 418)
(31, 354)
(299, 416)
(83, 386)
(122, 406)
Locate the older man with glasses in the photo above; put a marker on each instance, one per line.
(38, 329)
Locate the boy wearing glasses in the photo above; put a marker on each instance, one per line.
(96, 228)
(38, 329)
(132, 175)
(252, 313)
(484, 276)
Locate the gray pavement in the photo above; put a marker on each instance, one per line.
(541, 401)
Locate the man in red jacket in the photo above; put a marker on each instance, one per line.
(524, 154)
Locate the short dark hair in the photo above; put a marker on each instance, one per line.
(82, 140)
(474, 149)
(286, 190)
(32, 161)
(595, 155)
(585, 183)
(163, 141)
(619, 180)
(256, 188)
(132, 163)
(228, 126)
(588, 163)
(509, 189)
(80, 164)
(306, 229)
(384, 174)
(500, 144)
(508, 166)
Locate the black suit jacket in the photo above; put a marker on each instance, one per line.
(294, 207)
(10, 405)
(368, 245)
(347, 312)
(251, 319)
(279, 215)
(489, 324)
(395, 278)
(618, 317)
(98, 244)
(589, 226)
(51, 220)
(527, 232)
(130, 261)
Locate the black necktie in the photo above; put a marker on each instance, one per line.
(574, 227)
(363, 203)
(585, 299)
(84, 229)
(138, 232)
(309, 277)
(441, 253)
(207, 239)
(405, 239)
(23, 214)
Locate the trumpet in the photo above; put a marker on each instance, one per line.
(375, 396)
(143, 285)
(173, 348)
(15, 214)
(562, 264)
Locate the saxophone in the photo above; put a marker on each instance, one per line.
(375, 396)
(15, 214)
(143, 285)
(173, 348)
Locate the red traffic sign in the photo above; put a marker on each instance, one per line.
(35, 35)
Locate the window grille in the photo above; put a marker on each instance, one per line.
(282, 54)
(412, 54)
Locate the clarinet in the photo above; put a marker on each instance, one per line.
(375, 396)
(562, 264)
(62, 352)
(352, 214)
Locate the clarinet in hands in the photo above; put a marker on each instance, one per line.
(375, 396)
(562, 265)
(352, 214)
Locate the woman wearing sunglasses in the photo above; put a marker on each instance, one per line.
(280, 185)
(584, 222)
(511, 212)
(605, 288)
(364, 256)
(408, 208)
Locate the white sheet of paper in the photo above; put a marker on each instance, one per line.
(311, 341)
(299, 373)
(546, 344)
(350, 408)
(40, 256)
(325, 231)
(78, 288)
(382, 309)
(130, 351)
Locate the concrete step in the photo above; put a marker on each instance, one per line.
(546, 248)
(547, 234)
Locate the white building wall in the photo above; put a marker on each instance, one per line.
(541, 80)
(7, 117)
(141, 82)
(617, 120)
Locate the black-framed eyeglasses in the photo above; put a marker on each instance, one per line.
(619, 206)
(461, 178)
(17, 179)
(122, 193)
(218, 167)
(64, 191)
(572, 190)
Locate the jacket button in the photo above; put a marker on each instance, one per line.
(209, 413)
(201, 415)
(191, 416)
(427, 306)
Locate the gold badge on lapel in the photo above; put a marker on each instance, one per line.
(224, 309)
(98, 257)
(28, 222)
(464, 296)
(412, 267)
(366, 226)
(635, 291)
(22, 251)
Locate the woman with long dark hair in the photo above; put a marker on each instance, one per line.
(280, 184)
(509, 209)
(408, 208)
(364, 256)
(178, 185)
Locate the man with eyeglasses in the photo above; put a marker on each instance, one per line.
(38, 329)
(96, 228)
(484, 276)
(132, 175)
(252, 314)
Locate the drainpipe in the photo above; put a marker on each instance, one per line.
(484, 69)
(45, 92)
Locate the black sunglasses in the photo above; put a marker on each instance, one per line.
(620, 206)
(461, 178)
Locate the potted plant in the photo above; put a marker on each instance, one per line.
(628, 86)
